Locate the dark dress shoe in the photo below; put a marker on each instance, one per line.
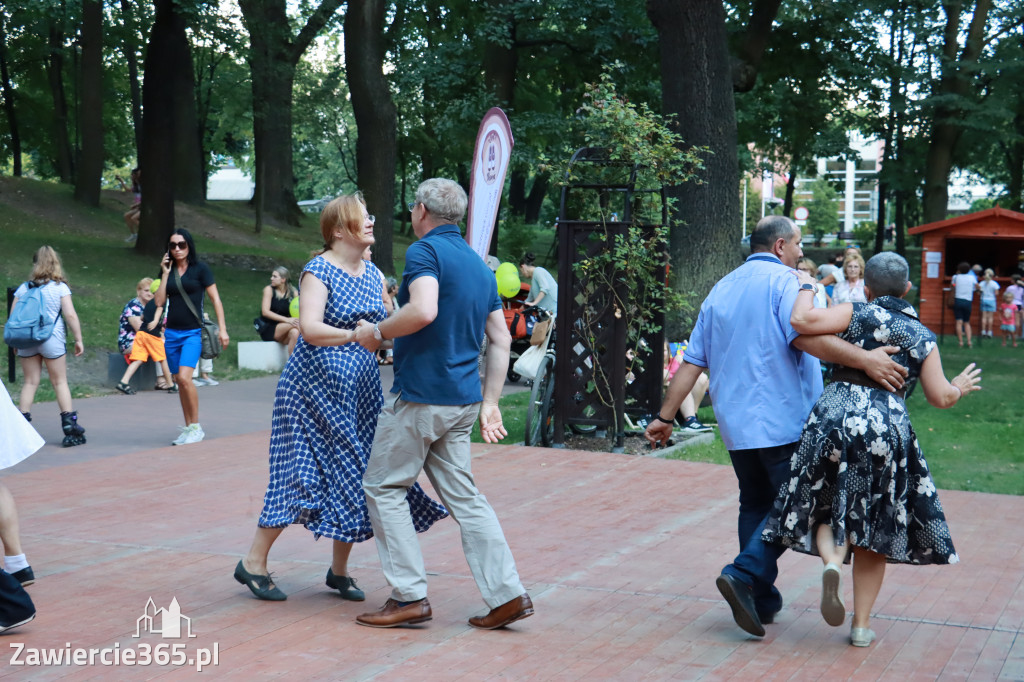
(741, 601)
(345, 585)
(4, 627)
(25, 576)
(509, 612)
(261, 585)
(393, 614)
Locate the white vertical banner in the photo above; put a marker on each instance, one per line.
(490, 161)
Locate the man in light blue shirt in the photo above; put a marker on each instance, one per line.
(764, 381)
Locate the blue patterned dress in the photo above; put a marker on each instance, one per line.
(859, 466)
(325, 416)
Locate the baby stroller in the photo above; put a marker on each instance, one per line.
(520, 321)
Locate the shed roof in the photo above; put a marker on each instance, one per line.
(1007, 215)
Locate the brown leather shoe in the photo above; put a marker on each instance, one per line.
(500, 616)
(392, 615)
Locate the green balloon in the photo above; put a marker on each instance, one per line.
(293, 307)
(508, 280)
(154, 286)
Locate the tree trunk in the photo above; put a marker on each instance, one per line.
(189, 173)
(1015, 158)
(697, 89)
(787, 204)
(130, 49)
(157, 156)
(55, 74)
(948, 119)
(9, 110)
(535, 200)
(376, 119)
(273, 56)
(90, 113)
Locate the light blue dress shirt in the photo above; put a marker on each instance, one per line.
(762, 388)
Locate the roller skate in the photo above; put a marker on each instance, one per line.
(73, 433)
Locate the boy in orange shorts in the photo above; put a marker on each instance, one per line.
(148, 343)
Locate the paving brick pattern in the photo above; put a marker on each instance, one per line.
(619, 554)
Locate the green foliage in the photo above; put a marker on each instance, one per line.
(822, 218)
(626, 277)
(516, 238)
(864, 233)
(635, 135)
(324, 133)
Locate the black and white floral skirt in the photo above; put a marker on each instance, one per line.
(860, 469)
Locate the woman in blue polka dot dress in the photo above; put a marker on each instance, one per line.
(326, 407)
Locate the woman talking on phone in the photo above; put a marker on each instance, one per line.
(184, 275)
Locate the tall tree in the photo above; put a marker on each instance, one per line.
(90, 111)
(273, 56)
(8, 93)
(697, 88)
(129, 47)
(189, 168)
(159, 123)
(376, 119)
(952, 95)
(55, 74)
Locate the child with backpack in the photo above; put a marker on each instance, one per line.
(37, 329)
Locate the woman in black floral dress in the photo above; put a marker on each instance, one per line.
(859, 479)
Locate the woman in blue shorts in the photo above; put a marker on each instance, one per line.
(182, 340)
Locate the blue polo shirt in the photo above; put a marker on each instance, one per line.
(762, 388)
(439, 364)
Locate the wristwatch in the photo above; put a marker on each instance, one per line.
(806, 287)
(376, 332)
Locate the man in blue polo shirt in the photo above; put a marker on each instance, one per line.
(764, 382)
(448, 303)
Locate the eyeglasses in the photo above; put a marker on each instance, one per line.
(412, 205)
(371, 218)
(178, 245)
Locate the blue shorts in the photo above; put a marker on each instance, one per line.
(183, 347)
(962, 310)
(988, 306)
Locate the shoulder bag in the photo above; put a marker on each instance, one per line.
(209, 331)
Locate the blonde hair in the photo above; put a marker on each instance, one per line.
(46, 266)
(144, 283)
(989, 272)
(854, 258)
(284, 274)
(809, 263)
(346, 213)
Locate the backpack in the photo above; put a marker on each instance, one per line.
(28, 324)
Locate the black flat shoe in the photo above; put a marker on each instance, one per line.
(345, 585)
(25, 576)
(260, 585)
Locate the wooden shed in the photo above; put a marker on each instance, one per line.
(993, 238)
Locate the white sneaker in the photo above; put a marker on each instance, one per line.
(194, 434)
(180, 440)
(208, 380)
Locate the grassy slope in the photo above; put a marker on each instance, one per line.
(102, 270)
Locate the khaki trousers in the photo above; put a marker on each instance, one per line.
(414, 437)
